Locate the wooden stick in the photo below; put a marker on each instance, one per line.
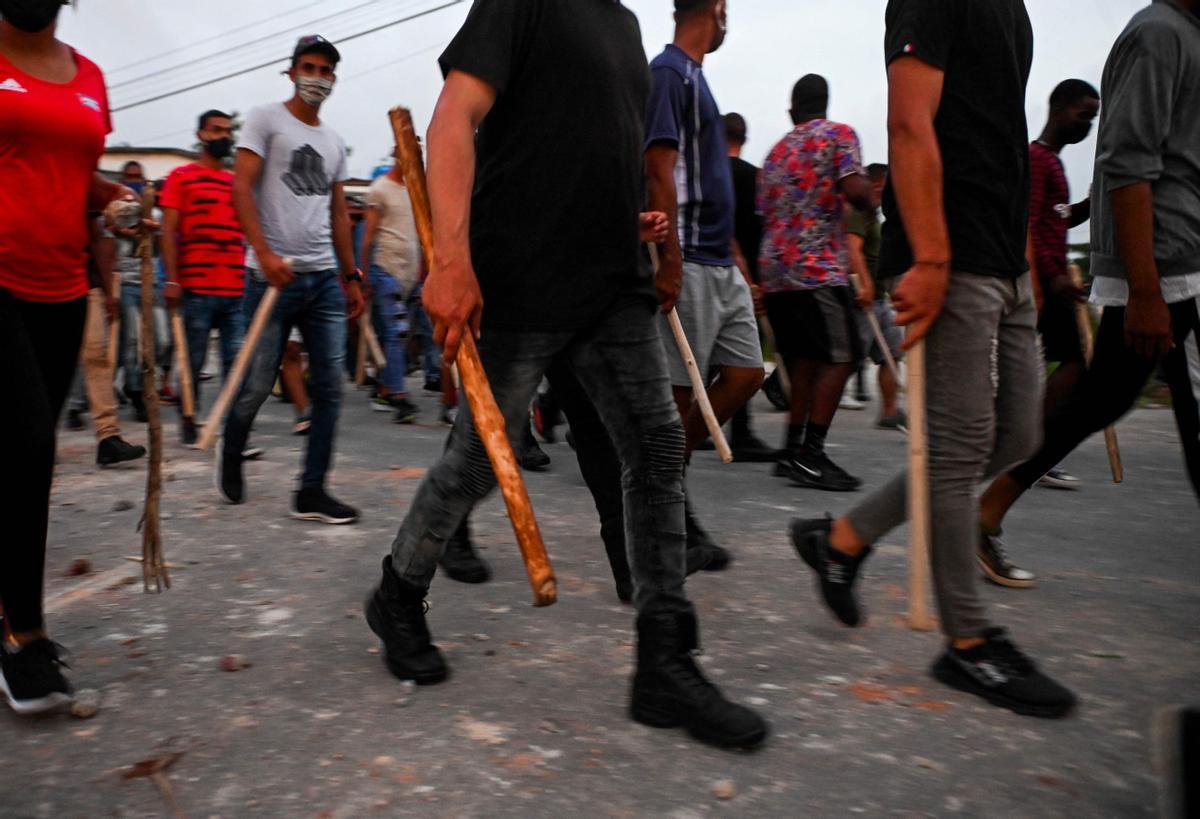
(187, 397)
(699, 387)
(1085, 336)
(114, 326)
(918, 494)
(373, 347)
(155, 574)
(888, 359)
(212, 427)
(360, 358)
(489, 423)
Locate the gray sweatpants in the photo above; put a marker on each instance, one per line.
(976, 430)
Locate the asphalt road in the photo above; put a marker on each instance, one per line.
(532, 721)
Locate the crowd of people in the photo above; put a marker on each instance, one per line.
(818, 258)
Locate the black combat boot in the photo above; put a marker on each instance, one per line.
(669, 690)
(460, 561)
(396, 613)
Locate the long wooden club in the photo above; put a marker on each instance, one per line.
(154, 568)
(489, 423)
(919, 617)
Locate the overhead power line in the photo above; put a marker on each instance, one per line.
(269, 63)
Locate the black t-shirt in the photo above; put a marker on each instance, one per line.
(985, 48)
(747, 223)
(559, 177)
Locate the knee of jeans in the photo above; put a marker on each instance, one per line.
(658, 463)
(477, 478)
(1022, 441)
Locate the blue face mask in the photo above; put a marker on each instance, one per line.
(136, 187)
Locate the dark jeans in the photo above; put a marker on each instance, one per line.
(202, 313)
(620, 363)
(131, 330)
(39, 346)
(316, 303)
(1113, 384)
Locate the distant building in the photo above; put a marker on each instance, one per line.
(156, 163)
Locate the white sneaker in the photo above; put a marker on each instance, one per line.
(1059, 478)
(849, 402)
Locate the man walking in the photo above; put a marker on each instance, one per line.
(804, 269)
(960, 179)
(204, 252)
(688, 178)
(563, 283)
(1145, 247)
(292, 208)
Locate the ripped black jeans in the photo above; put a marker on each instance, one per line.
(622, 366)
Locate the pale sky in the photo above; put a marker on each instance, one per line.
(169, 44)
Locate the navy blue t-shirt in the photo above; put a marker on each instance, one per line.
(682, 112)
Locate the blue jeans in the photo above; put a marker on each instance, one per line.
(422, 329)
(622, 367)
(131, 327)
(389, 319)
(201, 313)
(315, 303)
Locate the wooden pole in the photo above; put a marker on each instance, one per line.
(699, 387)
(155, 574)
(187, 396)
(919, 617)
(360, 357)
(1085, 336)
(888, 359)
(489, 423)
(212, 427)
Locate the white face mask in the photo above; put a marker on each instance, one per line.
(314, 90)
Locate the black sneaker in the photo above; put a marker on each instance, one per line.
(31, 678)
(837, 572)
(773, 388)
(997, 671)
(814, 470)
(227, 475)
(459, 560)
(317, 504)
(112, 450)
(433, 386)
(187, 431)
(899, 421)
(703, 553)
(74, 419)
(669, 690)
(406, 411)
(993, 559)
(531, 456)
(751, 449)
(396, 613)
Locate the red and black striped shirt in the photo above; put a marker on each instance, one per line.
(211, 247)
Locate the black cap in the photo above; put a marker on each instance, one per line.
(315, 44)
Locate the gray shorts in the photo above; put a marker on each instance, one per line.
(717, 314)
(892, 334)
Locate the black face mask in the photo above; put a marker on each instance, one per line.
(219, 148)
(1076, 132)
(30, 15)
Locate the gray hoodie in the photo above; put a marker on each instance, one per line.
(1150, 132)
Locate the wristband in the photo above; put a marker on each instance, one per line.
(356, 276)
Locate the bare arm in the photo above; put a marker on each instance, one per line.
(339, 220)
(370, 228)
(660, 187)
(247, 170)
(856, 189)
(451, 294)
(170, 255)
(914, 95)
(861, 271)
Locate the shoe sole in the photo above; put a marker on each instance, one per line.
(808, 483)
(1001, 580)
(382, 407)
(659, 718)
(377, 629)
(41, 705)
(1055, 483)
(946, 674)
(321, 517)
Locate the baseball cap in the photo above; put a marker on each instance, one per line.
(315, 44)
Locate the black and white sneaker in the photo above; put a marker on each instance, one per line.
(993, 559)
(997, 671)
(406, 411)
(836, 572)
(815, 470)
(1059, 478)
(31, 678)
(317, 504)
(227, 475)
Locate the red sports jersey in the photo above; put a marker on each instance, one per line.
(51, 138)
(211, 247)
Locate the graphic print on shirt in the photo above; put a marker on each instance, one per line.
(12, 85)
(306, 173)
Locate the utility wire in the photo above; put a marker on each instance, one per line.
(269, 63)
(239, 47)
(217, 36)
